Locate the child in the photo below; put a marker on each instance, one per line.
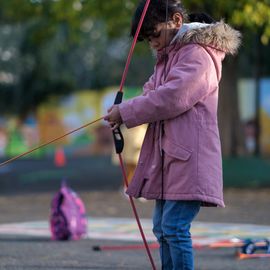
(180, 161)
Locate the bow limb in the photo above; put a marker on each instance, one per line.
(117, 134)
(124, 76)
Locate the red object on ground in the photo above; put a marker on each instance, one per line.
(243, 256)
(59, 157)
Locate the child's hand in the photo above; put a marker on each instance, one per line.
(113, 117)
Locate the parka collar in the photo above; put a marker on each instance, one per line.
(218, 35)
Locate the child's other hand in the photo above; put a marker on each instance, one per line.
(113, 117)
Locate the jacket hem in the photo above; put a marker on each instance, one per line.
(205, 199)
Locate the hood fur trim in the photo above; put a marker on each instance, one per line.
(220, 36)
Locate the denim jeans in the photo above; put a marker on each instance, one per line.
(172, 221)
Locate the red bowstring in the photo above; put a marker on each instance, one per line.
(124, 76)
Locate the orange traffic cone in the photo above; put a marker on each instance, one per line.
(59, 157)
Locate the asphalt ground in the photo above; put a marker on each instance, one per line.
(33, 253)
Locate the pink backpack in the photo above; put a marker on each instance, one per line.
(68, 216)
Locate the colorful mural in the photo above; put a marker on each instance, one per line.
(59, 116)
(247, 110)
(265, 117)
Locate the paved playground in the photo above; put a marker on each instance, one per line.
(25, 242)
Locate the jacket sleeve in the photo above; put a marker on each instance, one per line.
(187, 82)
(149, 85)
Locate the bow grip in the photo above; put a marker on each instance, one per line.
(118, 98)
(117, 134)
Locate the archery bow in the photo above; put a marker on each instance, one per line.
(117, 134)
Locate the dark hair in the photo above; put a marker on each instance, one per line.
(156, 14)
(200, 17)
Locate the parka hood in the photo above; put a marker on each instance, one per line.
(219, 35)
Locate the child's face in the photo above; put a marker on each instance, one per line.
(164, 33)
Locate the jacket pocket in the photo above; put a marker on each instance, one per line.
(176, 151)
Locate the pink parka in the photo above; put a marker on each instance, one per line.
(185, 102)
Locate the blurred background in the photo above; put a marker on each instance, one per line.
(61, 63)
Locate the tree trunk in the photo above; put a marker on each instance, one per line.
(231, 131)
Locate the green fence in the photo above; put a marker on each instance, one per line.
(246, 172)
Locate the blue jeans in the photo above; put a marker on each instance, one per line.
(172, 221)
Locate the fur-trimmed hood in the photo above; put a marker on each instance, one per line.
(219, 35)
